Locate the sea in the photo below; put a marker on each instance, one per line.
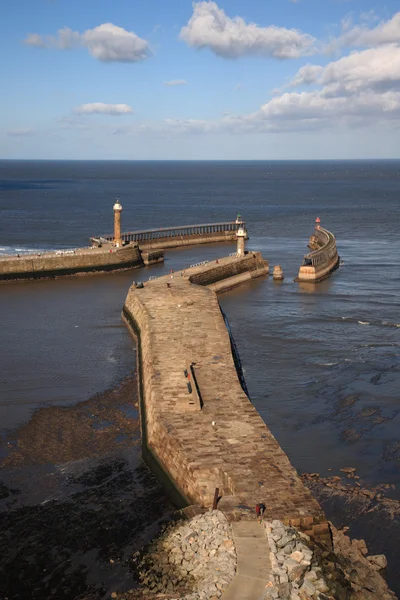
(321, 362)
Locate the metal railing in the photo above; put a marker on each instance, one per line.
(325, 252)
(179, 232)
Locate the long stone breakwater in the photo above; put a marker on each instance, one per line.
(132, 250)
(323, 259)
(70, 262)
(198, 424)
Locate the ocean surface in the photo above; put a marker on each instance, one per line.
(322, 362)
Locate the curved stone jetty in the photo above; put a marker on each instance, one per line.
(197, 422)
(323, 259)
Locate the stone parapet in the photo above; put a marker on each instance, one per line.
(323, 260)
(69, 262)
(226, 445)
(189, 240)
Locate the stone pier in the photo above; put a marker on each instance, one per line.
(324, 258)
(197, 422)
(61, 263)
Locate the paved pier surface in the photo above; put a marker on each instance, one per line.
(212, 437)
(253, 562)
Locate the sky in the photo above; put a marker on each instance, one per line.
(177, 80)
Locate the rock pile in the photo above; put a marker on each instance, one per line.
(296, 573)
(305, 570)
(192, 560)
(360, 571)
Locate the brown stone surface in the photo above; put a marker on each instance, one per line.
(225, 444)
(324, 257)
(177, 241)
(80, 260)
(359, 570)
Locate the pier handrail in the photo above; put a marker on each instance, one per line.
(326, 251)
(179, 230)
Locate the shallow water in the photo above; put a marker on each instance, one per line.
(321, 362)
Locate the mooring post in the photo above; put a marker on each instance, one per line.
(216, 496)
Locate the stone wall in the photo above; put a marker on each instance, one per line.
(225, 444)
(320, 263)
(151, 257)
(189, 240)
(81, 260)
(219, 275)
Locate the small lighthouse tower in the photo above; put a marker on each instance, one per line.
(240, 236)
(117, 223)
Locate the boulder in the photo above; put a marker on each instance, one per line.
(297, 556)
(378, 561)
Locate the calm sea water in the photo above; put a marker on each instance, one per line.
(322, 363)
(305, 349)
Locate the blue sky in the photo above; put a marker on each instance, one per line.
(261, 79)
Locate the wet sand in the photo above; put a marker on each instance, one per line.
(76, 500)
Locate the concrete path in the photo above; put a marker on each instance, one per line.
(254, 567)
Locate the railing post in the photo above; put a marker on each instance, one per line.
(215, 501)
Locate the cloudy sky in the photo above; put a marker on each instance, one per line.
(172, 79)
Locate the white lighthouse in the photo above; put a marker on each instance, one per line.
(241, 235)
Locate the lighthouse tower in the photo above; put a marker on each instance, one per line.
(117, 223)
(240, 236)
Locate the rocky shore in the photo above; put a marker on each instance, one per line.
(305, 570)
(364, 511)
(196, 559)
(76, 500)
(89, 503)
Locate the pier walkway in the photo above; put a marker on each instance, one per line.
(253, 562)
(197, 422)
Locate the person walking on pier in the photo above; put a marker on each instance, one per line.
(260, 509)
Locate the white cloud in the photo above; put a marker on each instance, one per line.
(210, 27)
(318, 106)
(386, 32)
(34, 39)
(363, 87)
(23, 131)
(372, 69)
(306, 75)
(103, 109)
(106, 43)
(359, 90)
(174, 82)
